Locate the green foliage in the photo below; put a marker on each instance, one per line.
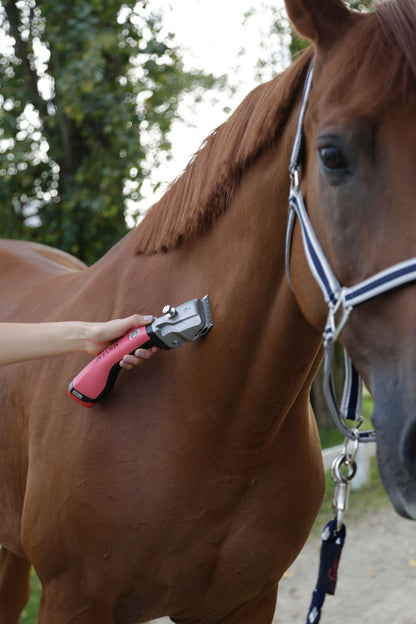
(83, 85)
(31, 610)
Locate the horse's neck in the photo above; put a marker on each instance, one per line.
(259, 322)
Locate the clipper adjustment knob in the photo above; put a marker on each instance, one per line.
(170, 311)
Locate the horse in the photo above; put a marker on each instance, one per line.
(190, 489)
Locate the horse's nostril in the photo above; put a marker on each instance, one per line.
(408, 447)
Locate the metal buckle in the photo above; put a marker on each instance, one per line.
(294, 179)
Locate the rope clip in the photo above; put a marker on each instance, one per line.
(342, 480)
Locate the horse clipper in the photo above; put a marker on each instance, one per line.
(186, 323)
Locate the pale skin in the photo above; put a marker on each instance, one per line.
(20, 342)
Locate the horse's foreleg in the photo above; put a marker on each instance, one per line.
(14, 586)
(64, 600)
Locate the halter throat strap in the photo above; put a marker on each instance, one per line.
(340, 300)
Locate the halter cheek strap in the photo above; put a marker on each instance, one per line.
(341, 300)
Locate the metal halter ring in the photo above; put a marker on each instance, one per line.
(347, 459)
(338, 463)
(332, 330)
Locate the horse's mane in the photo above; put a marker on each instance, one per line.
(385, 40)
(203, 191)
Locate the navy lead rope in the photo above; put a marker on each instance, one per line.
(333, 535)
(332, 543)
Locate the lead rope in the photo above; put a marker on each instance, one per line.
(334, 533)
(332, 543)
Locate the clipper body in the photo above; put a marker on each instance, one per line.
(185, 323)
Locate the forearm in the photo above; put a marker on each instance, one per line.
(27, 341)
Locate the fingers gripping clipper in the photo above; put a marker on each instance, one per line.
(185, 323)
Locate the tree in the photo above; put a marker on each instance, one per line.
(89, 89)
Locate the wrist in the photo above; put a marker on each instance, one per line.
(79, 334)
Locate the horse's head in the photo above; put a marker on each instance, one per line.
(359, 188)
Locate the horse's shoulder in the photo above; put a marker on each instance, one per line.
(15, 252)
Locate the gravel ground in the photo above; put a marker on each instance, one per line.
(376, 577)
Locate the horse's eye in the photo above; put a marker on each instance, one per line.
(333, 159)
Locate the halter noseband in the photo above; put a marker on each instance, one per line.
(341, 300)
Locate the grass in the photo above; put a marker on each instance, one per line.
(30, 613)
(367, 500)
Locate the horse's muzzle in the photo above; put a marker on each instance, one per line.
(394, 419)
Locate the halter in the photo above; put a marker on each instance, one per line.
(341, 300)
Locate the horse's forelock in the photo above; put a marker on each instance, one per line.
(376, 66)
(398, 20)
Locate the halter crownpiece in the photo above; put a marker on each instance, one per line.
(341, 300)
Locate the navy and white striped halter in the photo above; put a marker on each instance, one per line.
(341, 300)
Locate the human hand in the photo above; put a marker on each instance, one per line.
(103, 334)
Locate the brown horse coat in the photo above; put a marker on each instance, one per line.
(191, 488)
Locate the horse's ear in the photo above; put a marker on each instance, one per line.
(321, 21)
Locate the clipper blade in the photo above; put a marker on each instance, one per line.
(207, 317)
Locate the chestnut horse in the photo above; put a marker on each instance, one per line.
(190, 489)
